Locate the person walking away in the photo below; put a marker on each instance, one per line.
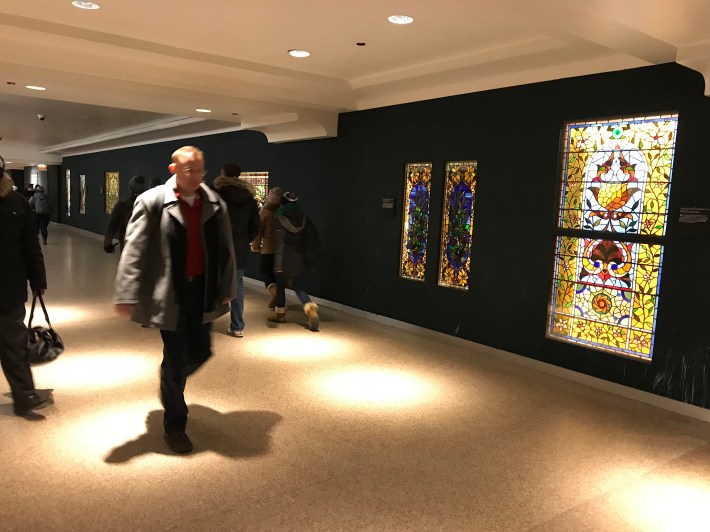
(40, 206)
(21, 261)
(297, 245)
(244, 218)
(265, 242)
(121, 213)
(177, 273)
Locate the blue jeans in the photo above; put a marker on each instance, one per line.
(236, 310)
(281, 282)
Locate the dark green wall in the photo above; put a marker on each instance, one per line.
(514, 134)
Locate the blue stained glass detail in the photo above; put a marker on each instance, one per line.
(458, 235)
(418, 212)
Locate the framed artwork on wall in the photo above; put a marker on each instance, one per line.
(611, 230)
(260, 180)
(68, 185)
(415, 221)
(110, 191)
(82, 194)
(457, 224)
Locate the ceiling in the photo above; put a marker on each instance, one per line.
(134, 72)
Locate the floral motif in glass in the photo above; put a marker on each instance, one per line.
(415, 225)
(457, 224)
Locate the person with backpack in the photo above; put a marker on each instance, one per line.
(40, 206)
(121, 213)
(238, 194)
(297, 247)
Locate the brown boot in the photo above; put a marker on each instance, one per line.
(311, 310)
(278, 315)
(272, 295)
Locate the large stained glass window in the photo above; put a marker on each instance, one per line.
(260, 180)
(415, 225)
(613, 209)
(457, 224)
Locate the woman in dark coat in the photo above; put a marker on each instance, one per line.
(297, 245)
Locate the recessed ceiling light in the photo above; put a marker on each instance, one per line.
(400, 19)
(203, 110)
(299, 53)
(35, 88)
(85, 5)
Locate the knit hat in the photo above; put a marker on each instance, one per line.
(137, 184)
(274, 195)
(289, 197)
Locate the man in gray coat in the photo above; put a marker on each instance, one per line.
(177, 273)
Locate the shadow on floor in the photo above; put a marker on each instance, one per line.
(234, 434)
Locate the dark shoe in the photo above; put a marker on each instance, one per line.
(32, 401)
(178, 442)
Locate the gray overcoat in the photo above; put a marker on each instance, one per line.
(151, 263)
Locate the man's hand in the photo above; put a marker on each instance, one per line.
(125, 309)
(226, 301)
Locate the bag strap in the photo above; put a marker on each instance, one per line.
(37, 295)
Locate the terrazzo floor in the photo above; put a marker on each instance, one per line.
(358, 427)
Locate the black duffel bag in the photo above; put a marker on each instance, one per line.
(43, 343)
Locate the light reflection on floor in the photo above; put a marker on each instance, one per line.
(374, 387)
(86, 373)
(668, 504)
(299, 347)
(59, 314)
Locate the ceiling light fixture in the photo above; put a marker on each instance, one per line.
(203, 110)
(35, 88)
(400, 19)
(299, 53)
(85, 5)
(361, 43)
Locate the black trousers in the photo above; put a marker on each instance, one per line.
(184, 351)
(266, 267)
(13, 352)
(42, 222)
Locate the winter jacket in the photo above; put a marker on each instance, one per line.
(118, 222)
(153, 262)
(21, 259)
(265, 241)
(39, 203)
(297, 242)
(243, 214)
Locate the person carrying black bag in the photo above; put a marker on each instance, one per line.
(21, 261)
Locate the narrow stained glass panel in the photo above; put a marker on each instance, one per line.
(67, 177)
(457, 224)
(110, 191)
(615, 183)
(260, 180)
(415, 224)
(82, 194)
